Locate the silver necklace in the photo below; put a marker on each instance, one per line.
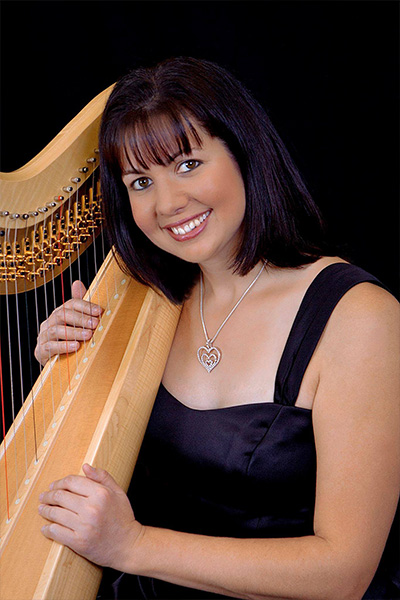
(209, 355)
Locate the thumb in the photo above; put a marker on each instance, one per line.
(101, 476)
(78, 290)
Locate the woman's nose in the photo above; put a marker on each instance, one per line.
(172, 198)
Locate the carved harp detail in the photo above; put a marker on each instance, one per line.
(105, 391)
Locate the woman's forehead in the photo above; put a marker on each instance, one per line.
(158, 141)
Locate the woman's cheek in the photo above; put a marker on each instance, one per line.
(148, 226)
(140, 220)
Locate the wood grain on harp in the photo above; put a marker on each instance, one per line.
(93, 407)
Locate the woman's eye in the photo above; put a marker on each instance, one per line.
(141, 184)
(188, 165)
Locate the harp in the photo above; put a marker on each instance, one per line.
(92, 406)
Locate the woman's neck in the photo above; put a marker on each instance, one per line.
(222, 286)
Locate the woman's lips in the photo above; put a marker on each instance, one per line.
(196, 225)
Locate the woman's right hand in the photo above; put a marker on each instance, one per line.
(67, 326)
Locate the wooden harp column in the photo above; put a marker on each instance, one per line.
(96, 403)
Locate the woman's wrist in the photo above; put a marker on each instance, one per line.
(127, 556)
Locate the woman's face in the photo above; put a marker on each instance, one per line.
(194, 206)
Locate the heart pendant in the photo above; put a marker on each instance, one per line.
(209, 357)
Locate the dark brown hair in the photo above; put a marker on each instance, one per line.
(151, 113)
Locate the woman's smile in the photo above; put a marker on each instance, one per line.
(189, 228)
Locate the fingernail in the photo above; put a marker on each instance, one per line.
(51, 486)
(92, 322)
(41, 496)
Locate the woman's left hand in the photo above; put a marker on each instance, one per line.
(92, 516)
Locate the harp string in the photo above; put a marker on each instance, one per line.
(68, 232)
(79, 208)
(65, 327)
(28, 329)
(4, 435)
(35, 234)
(93, 198)
(69, 252)
(54, 249)
(21, 378)
(103, 251)
(11, 366)
(47, 311)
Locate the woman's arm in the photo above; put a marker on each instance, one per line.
(356, 421)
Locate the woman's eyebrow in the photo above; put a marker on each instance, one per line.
(132, 171)
(182, 153)
(192, 149)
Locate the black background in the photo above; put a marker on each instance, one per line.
(327, 72)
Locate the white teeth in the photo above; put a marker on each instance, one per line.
(190, 226)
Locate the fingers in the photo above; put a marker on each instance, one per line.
(76, 484)
(44, 352)
(78, 290)
(62, 509)
(84, 486)
(92, 515)
(64, 315)
(62, 339)
(75, 312)
(59, 533)
(61, 498)
(63, 517)
(101, 476)
(68, 324)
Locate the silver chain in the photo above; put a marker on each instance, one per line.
(210, 341)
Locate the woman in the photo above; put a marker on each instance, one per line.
(276, 473)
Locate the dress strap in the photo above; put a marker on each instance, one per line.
(325, 291)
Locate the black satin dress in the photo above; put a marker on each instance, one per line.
(245, 471)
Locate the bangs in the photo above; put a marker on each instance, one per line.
(156, 140)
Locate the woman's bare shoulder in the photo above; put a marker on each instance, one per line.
(364, 300)
(367, 302)
(361, 342)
